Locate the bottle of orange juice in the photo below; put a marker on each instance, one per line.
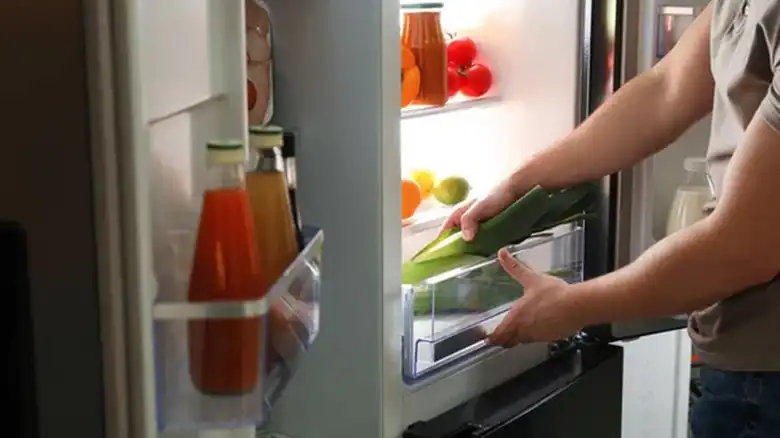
(276, 237)
(223, 354)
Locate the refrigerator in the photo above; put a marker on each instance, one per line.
(101, 194)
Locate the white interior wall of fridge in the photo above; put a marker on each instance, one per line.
(531, 49)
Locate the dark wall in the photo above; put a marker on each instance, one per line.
(45, 183)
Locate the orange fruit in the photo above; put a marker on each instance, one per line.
(410, 77)
(407, 58)
(410, 85)
(411, 198)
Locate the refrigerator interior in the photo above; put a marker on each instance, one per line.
(482, 140)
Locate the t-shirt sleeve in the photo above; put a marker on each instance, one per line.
(769, 109)
(770, 106)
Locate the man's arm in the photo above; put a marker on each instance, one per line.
(738, 246)
(643, 117)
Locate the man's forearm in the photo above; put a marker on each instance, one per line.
(689, 270)
(639, 120)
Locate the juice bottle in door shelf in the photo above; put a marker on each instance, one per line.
(224, 353)
(275, 229)
(423, 35)
(276, 237)
(691, 198)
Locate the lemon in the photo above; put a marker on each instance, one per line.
(452, 190)
(426, 179)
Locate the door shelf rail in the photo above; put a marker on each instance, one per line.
(282, 326)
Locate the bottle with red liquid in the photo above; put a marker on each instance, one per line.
(224, 353)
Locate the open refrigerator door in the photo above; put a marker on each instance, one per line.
(212, 340)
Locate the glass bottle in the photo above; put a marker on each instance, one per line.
(276, 237)
(277, 240)
(423, 35)
(224, 353)
(690, 198)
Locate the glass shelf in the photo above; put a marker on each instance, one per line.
(457, 104)
(287, 323)
(447, 318)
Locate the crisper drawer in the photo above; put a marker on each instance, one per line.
(447, 318)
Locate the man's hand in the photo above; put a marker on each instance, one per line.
(468, 215)
(540, 314)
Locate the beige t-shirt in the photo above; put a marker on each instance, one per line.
(742, 332)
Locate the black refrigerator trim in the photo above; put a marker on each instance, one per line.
(597, 83)
(605, 236)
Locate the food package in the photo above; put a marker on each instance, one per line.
(259, 61)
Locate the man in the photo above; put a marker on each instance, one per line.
(727, 64)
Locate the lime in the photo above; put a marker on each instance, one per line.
(452, 190)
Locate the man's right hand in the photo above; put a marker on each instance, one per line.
(468, 215)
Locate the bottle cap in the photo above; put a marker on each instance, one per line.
(226, 151)
(266, 137)
(422, 6)
(695, 164)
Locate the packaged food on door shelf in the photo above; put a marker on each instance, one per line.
(259, 61)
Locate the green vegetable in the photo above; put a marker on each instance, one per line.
(515, 223)
(417, 272)
(537, 211)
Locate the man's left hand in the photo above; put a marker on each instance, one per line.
(541, 314)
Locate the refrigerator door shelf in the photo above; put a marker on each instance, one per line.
(457, 104)
(447, 318)
(288, 323)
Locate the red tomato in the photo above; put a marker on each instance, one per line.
(461, 52)
(476, 81)
(453, 81)
(251, 94)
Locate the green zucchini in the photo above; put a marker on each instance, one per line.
(516, 222)
(537, 211)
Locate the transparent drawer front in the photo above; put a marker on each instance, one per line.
(224, 364)
(447, 318)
